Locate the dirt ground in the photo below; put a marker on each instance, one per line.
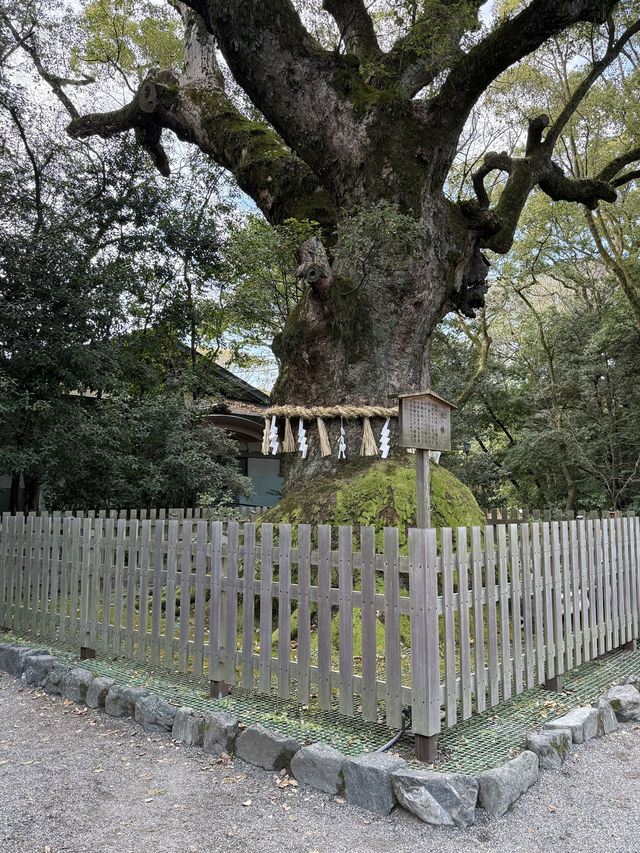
(76, 780)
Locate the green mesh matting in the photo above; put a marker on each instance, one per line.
(484, 741)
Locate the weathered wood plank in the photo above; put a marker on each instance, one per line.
(392, 628)
(284, 610)
(63, 606)
(86, 584)
(36, 573)
(368, 617)
(118, 586)
(536, 569)
(516, 608)
(248, 605)
(45, 578)
(156, 599)
(613, 561)
(345, 619)
(448, 569)
(200, 598)
(505, 624)
(478, 618)
(584, 590)
(132, 579)
(623, 583)
(231, 603)
(527, 600)
(600, 581)
(142, 634)
(559, 639)
(463, 620)
(215, 602)
(575, 592)
(324, 616)
(593, 612)
(170, 595)
(492, 623)
(266, 576)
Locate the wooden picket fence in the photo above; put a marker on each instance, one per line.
(513, 515)
(460, 623)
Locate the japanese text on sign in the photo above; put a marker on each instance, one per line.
(425, 424)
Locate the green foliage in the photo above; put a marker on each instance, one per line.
(258, 276)
(376, 240)
(129, 37)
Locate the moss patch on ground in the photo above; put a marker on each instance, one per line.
(380, 494)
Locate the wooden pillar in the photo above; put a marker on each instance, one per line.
(218, 689)
(554, 683)
(427, 748)
(423, 492)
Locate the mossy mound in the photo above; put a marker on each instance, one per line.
(380, 494)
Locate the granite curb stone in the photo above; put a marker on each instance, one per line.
(625, 701)
(500, 787)
(263, 748)
(220, 730)
(97, 691)
(552, 746)
(583, 723)
(121, 700)
(320, 766)
(37, 668)
(76, 684)
(154, 714)
(367, 780)
(188, 727)
(441, 799)
(607, 720)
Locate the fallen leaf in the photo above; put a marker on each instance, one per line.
(340, 800)
(552, 808)
(153, 791)
(149, 800)
(247, 803)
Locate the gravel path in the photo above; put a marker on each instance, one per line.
(76, 780)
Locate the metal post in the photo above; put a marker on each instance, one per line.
(423, 490)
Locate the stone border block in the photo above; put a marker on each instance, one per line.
(154, 714)
(440, 799)
(121, 700)
(76, 684)
(367, 780)
(188, 727)
(583, 723)
(97, 691)
(500, 787)
(552, 746)
(320, 766)
(264, 748)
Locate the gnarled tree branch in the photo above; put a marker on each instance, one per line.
(196, 108)
(356, 27)
(506, 44)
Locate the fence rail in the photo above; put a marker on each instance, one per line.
(464, 620)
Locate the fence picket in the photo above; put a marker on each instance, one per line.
(536, 568)
(478, 618)
(200, 597)
(393, 662)
(516, 608)
(143, 606)
(527, 593)
(215, 630)
(266, 577)
(556, 573)
(132, 575)
(324, 616)
(464, 628)
(503, 590)
(368, 620)
(449, 625)
(156, 602)
(284, 610)
(345, 618)
(248, 605)
(170, 597)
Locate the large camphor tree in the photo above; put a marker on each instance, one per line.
(362, 139)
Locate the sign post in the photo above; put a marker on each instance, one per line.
(425, 425)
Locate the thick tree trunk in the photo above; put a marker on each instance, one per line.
(362, 341)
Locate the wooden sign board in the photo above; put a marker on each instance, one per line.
(425, 421)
